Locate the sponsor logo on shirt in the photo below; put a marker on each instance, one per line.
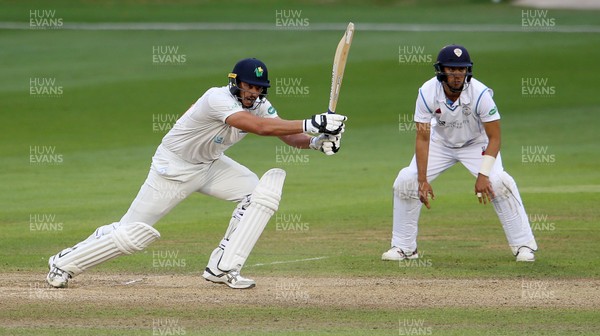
(219, 139)
(493, 111)
(271, 110)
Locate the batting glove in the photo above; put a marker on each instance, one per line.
(325, 123)
(328, 144)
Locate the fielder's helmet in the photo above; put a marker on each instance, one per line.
(251, 71)
(453, 56)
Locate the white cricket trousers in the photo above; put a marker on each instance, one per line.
(507, 202)
(171, 180)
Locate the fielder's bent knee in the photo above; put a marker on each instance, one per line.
(406, 185)
(502, 184)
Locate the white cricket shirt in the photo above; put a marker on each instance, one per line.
(201, 134)
(460, 123)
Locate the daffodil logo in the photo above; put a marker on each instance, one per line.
(258, 71)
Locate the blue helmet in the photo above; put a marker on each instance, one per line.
(251, 71)
(453, 56)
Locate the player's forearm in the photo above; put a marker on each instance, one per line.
(301, 141)
(422, 153)
(277, 127)
(264, 126)
(422, 150)
(492, 130)
(493, 147)
(319, 123)
(491, 152)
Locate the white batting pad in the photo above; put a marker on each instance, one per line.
(264, 201)
(511, 212)
(126, 239)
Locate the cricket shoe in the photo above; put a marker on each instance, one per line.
(396, 254)
(232, 279)
(525, 253)
(57, 278)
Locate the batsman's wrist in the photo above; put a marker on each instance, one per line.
(486, 165)
(307, 126)
(313, 143)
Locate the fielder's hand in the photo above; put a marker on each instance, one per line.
(425, 190)
(326, 143)
(483, 189)
(325, 123)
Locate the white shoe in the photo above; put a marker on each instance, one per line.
(525, 253)
(232, 279)
(57, 278)
(396, 254)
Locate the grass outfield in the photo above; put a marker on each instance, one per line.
(103, 124)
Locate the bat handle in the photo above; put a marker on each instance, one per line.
(330, 111)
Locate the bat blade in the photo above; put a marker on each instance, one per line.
(339, 65)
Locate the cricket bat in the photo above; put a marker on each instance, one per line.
(339, 64)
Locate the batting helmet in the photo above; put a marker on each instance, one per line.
(251, 71)
(453, 56)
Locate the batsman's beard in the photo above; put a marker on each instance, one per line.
(464, 85)
(252, 104)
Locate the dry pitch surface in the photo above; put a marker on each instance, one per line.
(26, 295)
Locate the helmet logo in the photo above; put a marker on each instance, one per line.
(457, 52)
(258, 71)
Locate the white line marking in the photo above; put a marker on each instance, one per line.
(288, 261)
(132, 281)
(366, 26)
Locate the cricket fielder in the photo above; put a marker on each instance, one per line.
(191, 159)
(457, 121)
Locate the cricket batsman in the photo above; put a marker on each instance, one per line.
(191, 159)
(457, 121)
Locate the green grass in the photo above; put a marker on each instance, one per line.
(397, 11)
(102, 126)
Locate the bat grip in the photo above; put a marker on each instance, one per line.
(330, 112)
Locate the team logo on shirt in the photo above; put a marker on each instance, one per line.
(219, 139)
(466, 110)
(493, 111)
(258, 71)
(271, 110)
